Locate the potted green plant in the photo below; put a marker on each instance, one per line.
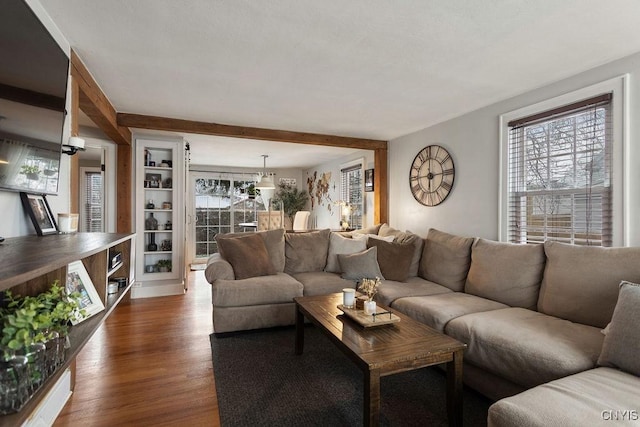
(31, 171)
(41, 320)
(291, 198)
(164, 265)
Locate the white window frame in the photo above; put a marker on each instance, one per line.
(619, 86)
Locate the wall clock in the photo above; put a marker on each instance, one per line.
(431, 175)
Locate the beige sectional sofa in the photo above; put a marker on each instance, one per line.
(531, 315)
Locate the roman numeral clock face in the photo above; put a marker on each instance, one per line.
(431, 176)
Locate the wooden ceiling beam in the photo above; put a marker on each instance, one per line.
(203, 128)
(95, 104)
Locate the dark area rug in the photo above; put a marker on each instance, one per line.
(261, 382)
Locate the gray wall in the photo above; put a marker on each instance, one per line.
(473, 140)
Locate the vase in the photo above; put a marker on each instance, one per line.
(152, 246)
(51, 352)
(36, 373)
(151, 223)
(369, 307)
(14, 384)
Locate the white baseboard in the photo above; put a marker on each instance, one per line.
(150, 290)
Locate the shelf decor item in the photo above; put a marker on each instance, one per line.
(78, 280)
(39, 211)
(151, 223)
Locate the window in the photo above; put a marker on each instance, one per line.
(351, 192)
(223, 201)
(560, 175)
(93, 203)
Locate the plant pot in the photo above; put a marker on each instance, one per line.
(14, 384)
(33, 176)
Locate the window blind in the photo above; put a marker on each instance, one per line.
(93, 207)
(560, 175)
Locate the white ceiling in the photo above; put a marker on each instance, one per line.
(375, 69)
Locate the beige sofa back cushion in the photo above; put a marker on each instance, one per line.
(273, 240)
(580, 283)
(506, 272)
(342, 245)
(306, 252)
(446, 259)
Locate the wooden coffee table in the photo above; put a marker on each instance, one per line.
(384, 350)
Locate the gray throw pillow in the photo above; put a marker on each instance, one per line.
(342, 245)
(363, 265)
(248, 256)
(622, 342)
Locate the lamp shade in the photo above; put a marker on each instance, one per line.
(265, 183)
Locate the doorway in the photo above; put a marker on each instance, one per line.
(219, 202)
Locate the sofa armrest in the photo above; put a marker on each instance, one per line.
(218, 268)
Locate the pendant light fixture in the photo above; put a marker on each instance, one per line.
(265, 183)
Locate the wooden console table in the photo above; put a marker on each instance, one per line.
(30, 264)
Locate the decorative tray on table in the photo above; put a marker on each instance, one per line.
(382, 316)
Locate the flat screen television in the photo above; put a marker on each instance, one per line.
(33, 87)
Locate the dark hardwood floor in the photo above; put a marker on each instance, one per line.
(149, 365)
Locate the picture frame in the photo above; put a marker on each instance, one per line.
(154, 179)
(368, 180)
(287, 181)
(39, 211)
(78, 280)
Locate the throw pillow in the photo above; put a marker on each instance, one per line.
(306, 252)
(394, 259)
(273, 240)
(446, 259)
(341, 245)
(622, 342)
(363, 265)
(405, 237)
(247, 255)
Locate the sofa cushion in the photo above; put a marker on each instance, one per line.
(367, 230)
(590, 398)
(363, 265)
(218, 268)
(446, 259)
(365, 237)
(394, 259)
(622, 341)
(580, 283)
(437, 310)
(526, 347)
(306, 251)
(342, 245)
(405, 237)
(273, 240)
(389, 290)
(506, 272)
(276, 289)
(322, 283)
(247, 255)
